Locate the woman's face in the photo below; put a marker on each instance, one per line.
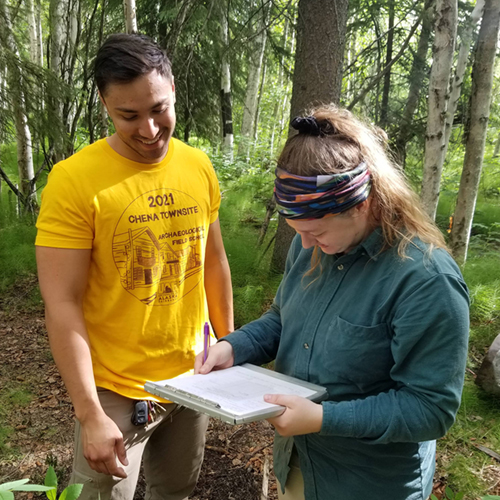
(336, 234)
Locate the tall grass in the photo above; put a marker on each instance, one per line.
(17, 252)
(241, 215)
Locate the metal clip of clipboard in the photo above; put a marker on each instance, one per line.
(192, 396)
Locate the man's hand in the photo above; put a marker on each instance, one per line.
(301, 416)
(220, 356)
(103, 445)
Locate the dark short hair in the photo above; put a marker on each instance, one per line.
(122, 58)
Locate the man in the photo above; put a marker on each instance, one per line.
(131, 264)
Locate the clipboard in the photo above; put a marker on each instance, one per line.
(235, 395)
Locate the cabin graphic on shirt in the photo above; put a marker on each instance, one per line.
(153, 271)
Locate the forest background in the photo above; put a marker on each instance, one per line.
(427, 72)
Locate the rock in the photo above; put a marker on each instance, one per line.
(488, 376)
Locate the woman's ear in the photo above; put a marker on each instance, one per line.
(363, 207)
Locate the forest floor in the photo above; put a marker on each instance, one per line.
(37, 419)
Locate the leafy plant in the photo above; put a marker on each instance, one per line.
(450, 495)
(71, 492)
(6, 489)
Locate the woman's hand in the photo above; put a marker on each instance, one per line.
(220, 356)
(301, 416)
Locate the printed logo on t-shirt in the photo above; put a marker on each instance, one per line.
(157, 246)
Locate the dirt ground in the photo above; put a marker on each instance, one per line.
(36, 407)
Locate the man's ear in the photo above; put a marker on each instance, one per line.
(173, 88)
(102, 100)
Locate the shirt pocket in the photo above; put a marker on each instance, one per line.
(358, 353)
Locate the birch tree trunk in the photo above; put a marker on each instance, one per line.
(256, 56)
(32, 28)
(280, 110)
(130, 16)
(23, 134)
(226, 106)
(482, 85)
(456, 84)
(317, 78)
(39, 38)
(278, 102)
(444, 45)
(289, 85)
(259, 100)
(417, 75)
(103, 122)
(497, 147)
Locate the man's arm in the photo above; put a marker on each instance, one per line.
(62, 274)
(218, 283)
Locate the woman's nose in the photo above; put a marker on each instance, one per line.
(308, 241)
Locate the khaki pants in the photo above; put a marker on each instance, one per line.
(172, 448)
(294, 486)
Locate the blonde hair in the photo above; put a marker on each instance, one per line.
(344, 142)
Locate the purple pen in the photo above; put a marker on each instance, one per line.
(206, 334)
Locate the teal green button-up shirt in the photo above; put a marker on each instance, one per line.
(387, 337)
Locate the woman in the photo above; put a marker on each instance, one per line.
(372, 307)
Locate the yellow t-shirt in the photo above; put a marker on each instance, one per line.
(147, 226)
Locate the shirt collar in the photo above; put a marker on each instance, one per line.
(373, 244)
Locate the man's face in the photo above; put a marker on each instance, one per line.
(143, 115)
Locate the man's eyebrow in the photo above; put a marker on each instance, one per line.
(161, 103)
(156, 105)
(126, 110)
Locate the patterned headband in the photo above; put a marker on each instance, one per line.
(300, 197)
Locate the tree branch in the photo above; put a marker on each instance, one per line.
(10, 184)
(376, 79)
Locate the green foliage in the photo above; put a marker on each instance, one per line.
(6, 489)
(241, 215)
(19, 397)
(5, 432)
(485, 302)
(71, 492)
(477, 423)
(17, 252)
(12, 397)
(450, 495)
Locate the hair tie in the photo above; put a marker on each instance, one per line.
(306, 125)
(311, 126)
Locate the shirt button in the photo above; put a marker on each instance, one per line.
(340, 267)
(306, 346)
